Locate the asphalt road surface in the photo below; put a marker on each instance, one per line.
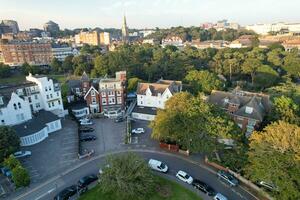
(47, 190)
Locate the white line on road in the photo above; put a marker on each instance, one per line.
(49, 191)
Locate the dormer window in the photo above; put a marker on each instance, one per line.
(249, 110)
(15, 106)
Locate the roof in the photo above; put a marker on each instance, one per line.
(159, 87)
(85, 77)
(260, 103)
(37, 123)
(74, 83)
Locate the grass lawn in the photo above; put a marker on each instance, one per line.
(166, 190)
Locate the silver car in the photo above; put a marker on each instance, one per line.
(22, 154)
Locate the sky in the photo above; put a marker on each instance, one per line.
(146, 13)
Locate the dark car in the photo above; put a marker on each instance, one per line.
(227, 177)
(119, 119)
(85, 138)
(85, 181)
(203, 187)
(66, 193)
(85, 129)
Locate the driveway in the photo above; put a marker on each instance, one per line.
(110, 136)
(55, 154)
(143, 140)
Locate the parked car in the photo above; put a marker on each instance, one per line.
(119, 119)
(138, 130)
(84, 138)
(220, 196)
(84, 123)
(266, 185)
(6, 172)
(157, 165)
(184, 177)
(67, 193)
(21, 154)
(85, 181)
(84, 119)
(203, 187)
(85, 129)
(227, 177)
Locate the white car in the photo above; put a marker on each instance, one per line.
(86, 123)
(138, 130)
(157, 165)
(184, 177)
(220, 196)
(21, 154)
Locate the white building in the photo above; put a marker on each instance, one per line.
(172, 40)
(24, 103)
(151, 96)
(61, 52)
(264, 29)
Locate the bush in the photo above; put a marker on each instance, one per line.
(20, 176)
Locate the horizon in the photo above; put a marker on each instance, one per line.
(142, 14)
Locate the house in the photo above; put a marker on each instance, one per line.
(22, 104)
(78, 87)
(291, 44)
(217, 44)
(242, 42)
(247, 109)
(153, 96)
(172, 40)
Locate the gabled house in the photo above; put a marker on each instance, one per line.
(247, 109)
(151, 96)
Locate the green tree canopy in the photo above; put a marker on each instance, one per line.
(266, 76)
(128, 176)
(11, 162)
(100, 67)
(56, 65)
(9, 142)
(4, 71)
(203, 81)
(292, 63)
(133, 83)
(193, 123)
(274, 157)
(250, 67)
(20, 176)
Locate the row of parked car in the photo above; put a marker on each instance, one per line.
(198, 184)
(85, 128)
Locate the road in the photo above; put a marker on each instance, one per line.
(49, 189)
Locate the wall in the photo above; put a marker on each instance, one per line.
(143, 116)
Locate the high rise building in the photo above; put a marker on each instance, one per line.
(91, 38)
(105, 38)
(12, 24)
(125, 33)
(4, 29)
(51, 27)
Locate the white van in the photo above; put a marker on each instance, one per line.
(220, 196)
(158, 165)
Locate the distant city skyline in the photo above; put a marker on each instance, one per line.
(143, 14)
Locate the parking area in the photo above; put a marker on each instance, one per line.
(110, 135)
(144, 139)
(54, 154)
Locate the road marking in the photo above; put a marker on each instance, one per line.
(48, 192)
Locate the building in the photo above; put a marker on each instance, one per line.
(217, 44)
(242, 42)
(247, 109)
(62, 51)
(207, 25)
(105, 38)
(12, 24)
(22, 36)
(16, 53)
(90, 38)
(172, 40)
(33, 108)
(265, 29)
(4, 29)
(125, 32)
(51, 27)
(153, 96)
(146, 32)
(150, 41)
(291, 44)
(107, 95)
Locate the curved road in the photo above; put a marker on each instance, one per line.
(50, 188)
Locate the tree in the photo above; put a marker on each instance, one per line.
(9, 142)
(11, 162)
(128, 176)
(100, 66)
(275, 57)
(274, 157)
(292, 63)
(4, 70)
(67, 64)
(203, 81)
(285, 109)
(20, 176)
(132, 84)
(192, 123)
(56, 65)
(250, 66)
(266, 76)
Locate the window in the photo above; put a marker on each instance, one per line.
(59, 102)
(2, 121)
(93, 93)
(15, 106)
(37, 105)
(29, 99)
(49, 105)
(52, 103)
(104, 101)
(19, 104)
(35, 96)
(47, 96)
(141, 102)
(46, 89)
(51, 96)
(57, 94)
(22, 117)
(49, 88)
(93, 99)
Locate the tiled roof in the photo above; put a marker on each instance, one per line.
(159, 87)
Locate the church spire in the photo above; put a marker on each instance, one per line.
(124, 30)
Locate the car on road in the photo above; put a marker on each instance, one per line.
(200, 185)
(85, 129)
(85, 181)
(22, 154)
(119, 119)
(85, 138)
(138, 130)
(227, 177)
(66, 193)
(157, 165)
(220, 196)
(181, 175)
(85, 123)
